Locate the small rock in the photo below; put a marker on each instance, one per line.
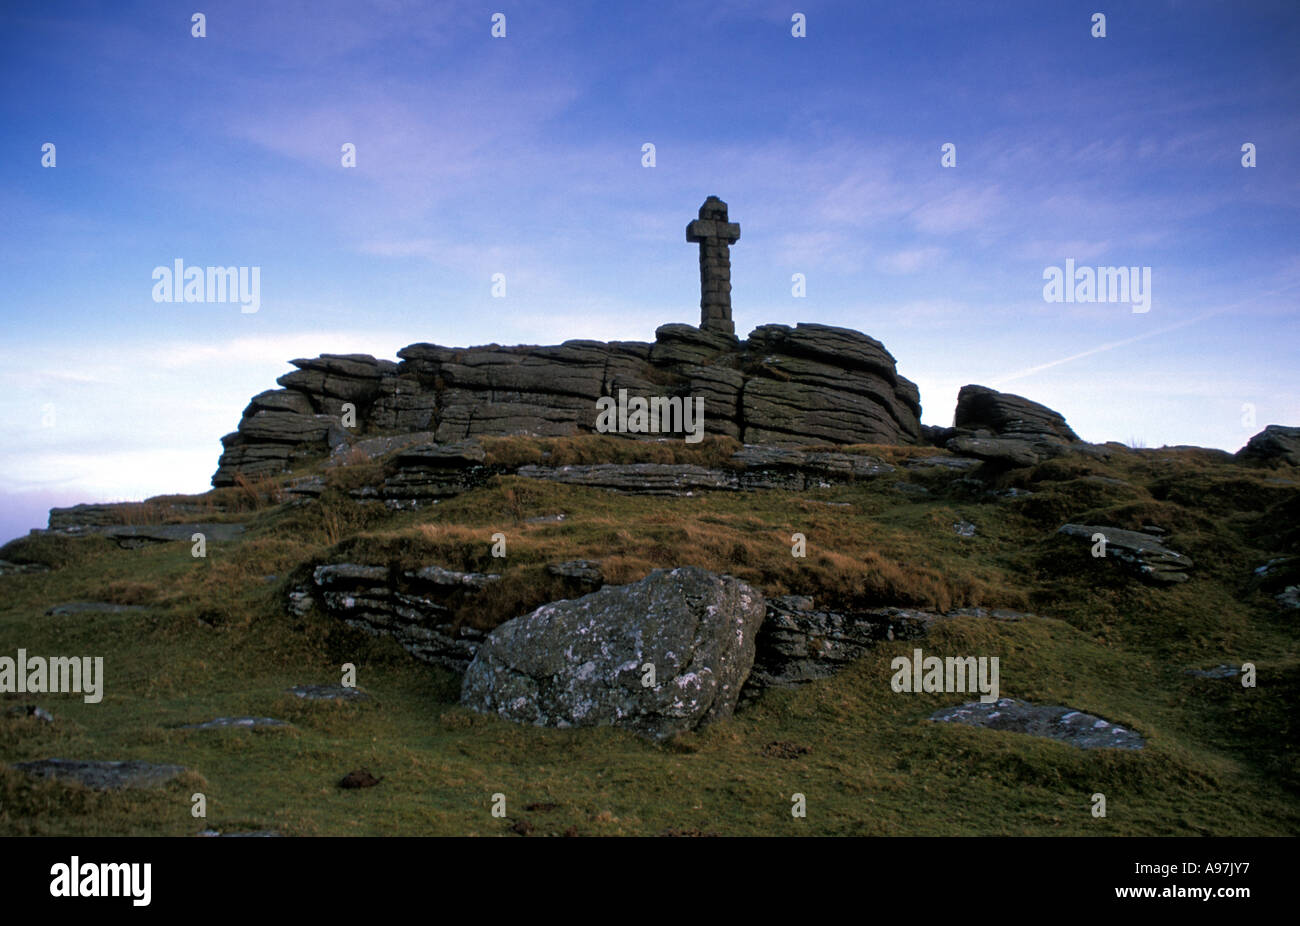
(31, 710)
(1289, 597)
(911, 488)
(784, 750)
(328, 693)
(964, 529)
(1272, 566)
(221, 722)
(1012, 492)
(308, 486)
(582, 570)
(1220, 671)
(300, 602)
(256, 833)
(359, 778)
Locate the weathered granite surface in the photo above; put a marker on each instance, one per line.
(660, 656)
(784, 386)
(1054, 722)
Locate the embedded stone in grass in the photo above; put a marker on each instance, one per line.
(14, 569)
(660, 656)
(1141, 553)
(1012, 492)
(1051, 721)
(132, 536)
(1220, 671)
(581, 570)
(255, 833)
(781, 749)
(102, 776)
(31, 710)
(964, 529)
(328, 693)
(92, 607)
(220, 722)
(911, 488)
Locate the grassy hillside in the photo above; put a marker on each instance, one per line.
(217, 640)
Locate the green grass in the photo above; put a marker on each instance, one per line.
(217, 640)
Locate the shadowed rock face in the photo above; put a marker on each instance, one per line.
(1008, 415)
(417, 608)
(1275, 444)
(584, 662)
(783, 386)
(1004, 429)
(799, 643)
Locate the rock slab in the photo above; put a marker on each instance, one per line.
(102, 776)
(1054, 722)
(1141, 553)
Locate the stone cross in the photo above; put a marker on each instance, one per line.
(715, 236)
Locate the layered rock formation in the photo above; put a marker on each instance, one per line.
(799, 643)
(418, 608)
(1004, 429)
(784, 386)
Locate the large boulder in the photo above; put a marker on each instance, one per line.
(586, 662)
(1007, 415)
(1005, 430)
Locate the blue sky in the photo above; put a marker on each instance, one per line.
(522, 155)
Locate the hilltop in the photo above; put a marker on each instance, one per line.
(958, 553)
